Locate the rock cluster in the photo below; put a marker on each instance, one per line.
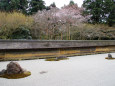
(14, 70)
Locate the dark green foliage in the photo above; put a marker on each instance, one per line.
(21, 33)
(48, 8)
(4, 5)
(53, 4)
(36, 5)
(93, 8)
(24, 6)
(110, 10)
(14, 5)
(101, 11)
(71, 2)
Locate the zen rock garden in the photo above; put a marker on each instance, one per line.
(14, 71)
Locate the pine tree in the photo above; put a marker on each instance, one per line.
(109, 10)
(53, 4)
(101, 11)
(11, 5)
(94, 9)
(71, 2)
(4, 5)
(36, 5)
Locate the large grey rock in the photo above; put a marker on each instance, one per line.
(14, 68)
(14, 71)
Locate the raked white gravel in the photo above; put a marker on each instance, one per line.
(89, 70)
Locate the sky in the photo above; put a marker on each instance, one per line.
(60, 3)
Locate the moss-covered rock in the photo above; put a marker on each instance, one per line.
(57, 58)
(109, 57)
(14, 71)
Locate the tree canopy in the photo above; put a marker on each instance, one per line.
(100, 11)
(36, 5)
(13, 5)
(53, 4)
(24, 6)
(71, 2)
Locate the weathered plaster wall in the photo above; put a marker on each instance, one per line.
(25, 49)
(34, 44)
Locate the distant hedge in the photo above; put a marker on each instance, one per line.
(11, 22)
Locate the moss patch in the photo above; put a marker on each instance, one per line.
(54, 59)
(109, 58)
(16, 76)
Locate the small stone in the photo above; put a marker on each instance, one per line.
(61, 57)
(42, 72)
(109, 56)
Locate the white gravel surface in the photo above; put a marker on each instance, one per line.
(90, 70)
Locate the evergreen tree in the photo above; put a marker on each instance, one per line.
(4, 5)
(93, 8)
(53, 4)
(101, 11)
(36, 5)
(109, 10)
(11, 5)
(71, 2)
